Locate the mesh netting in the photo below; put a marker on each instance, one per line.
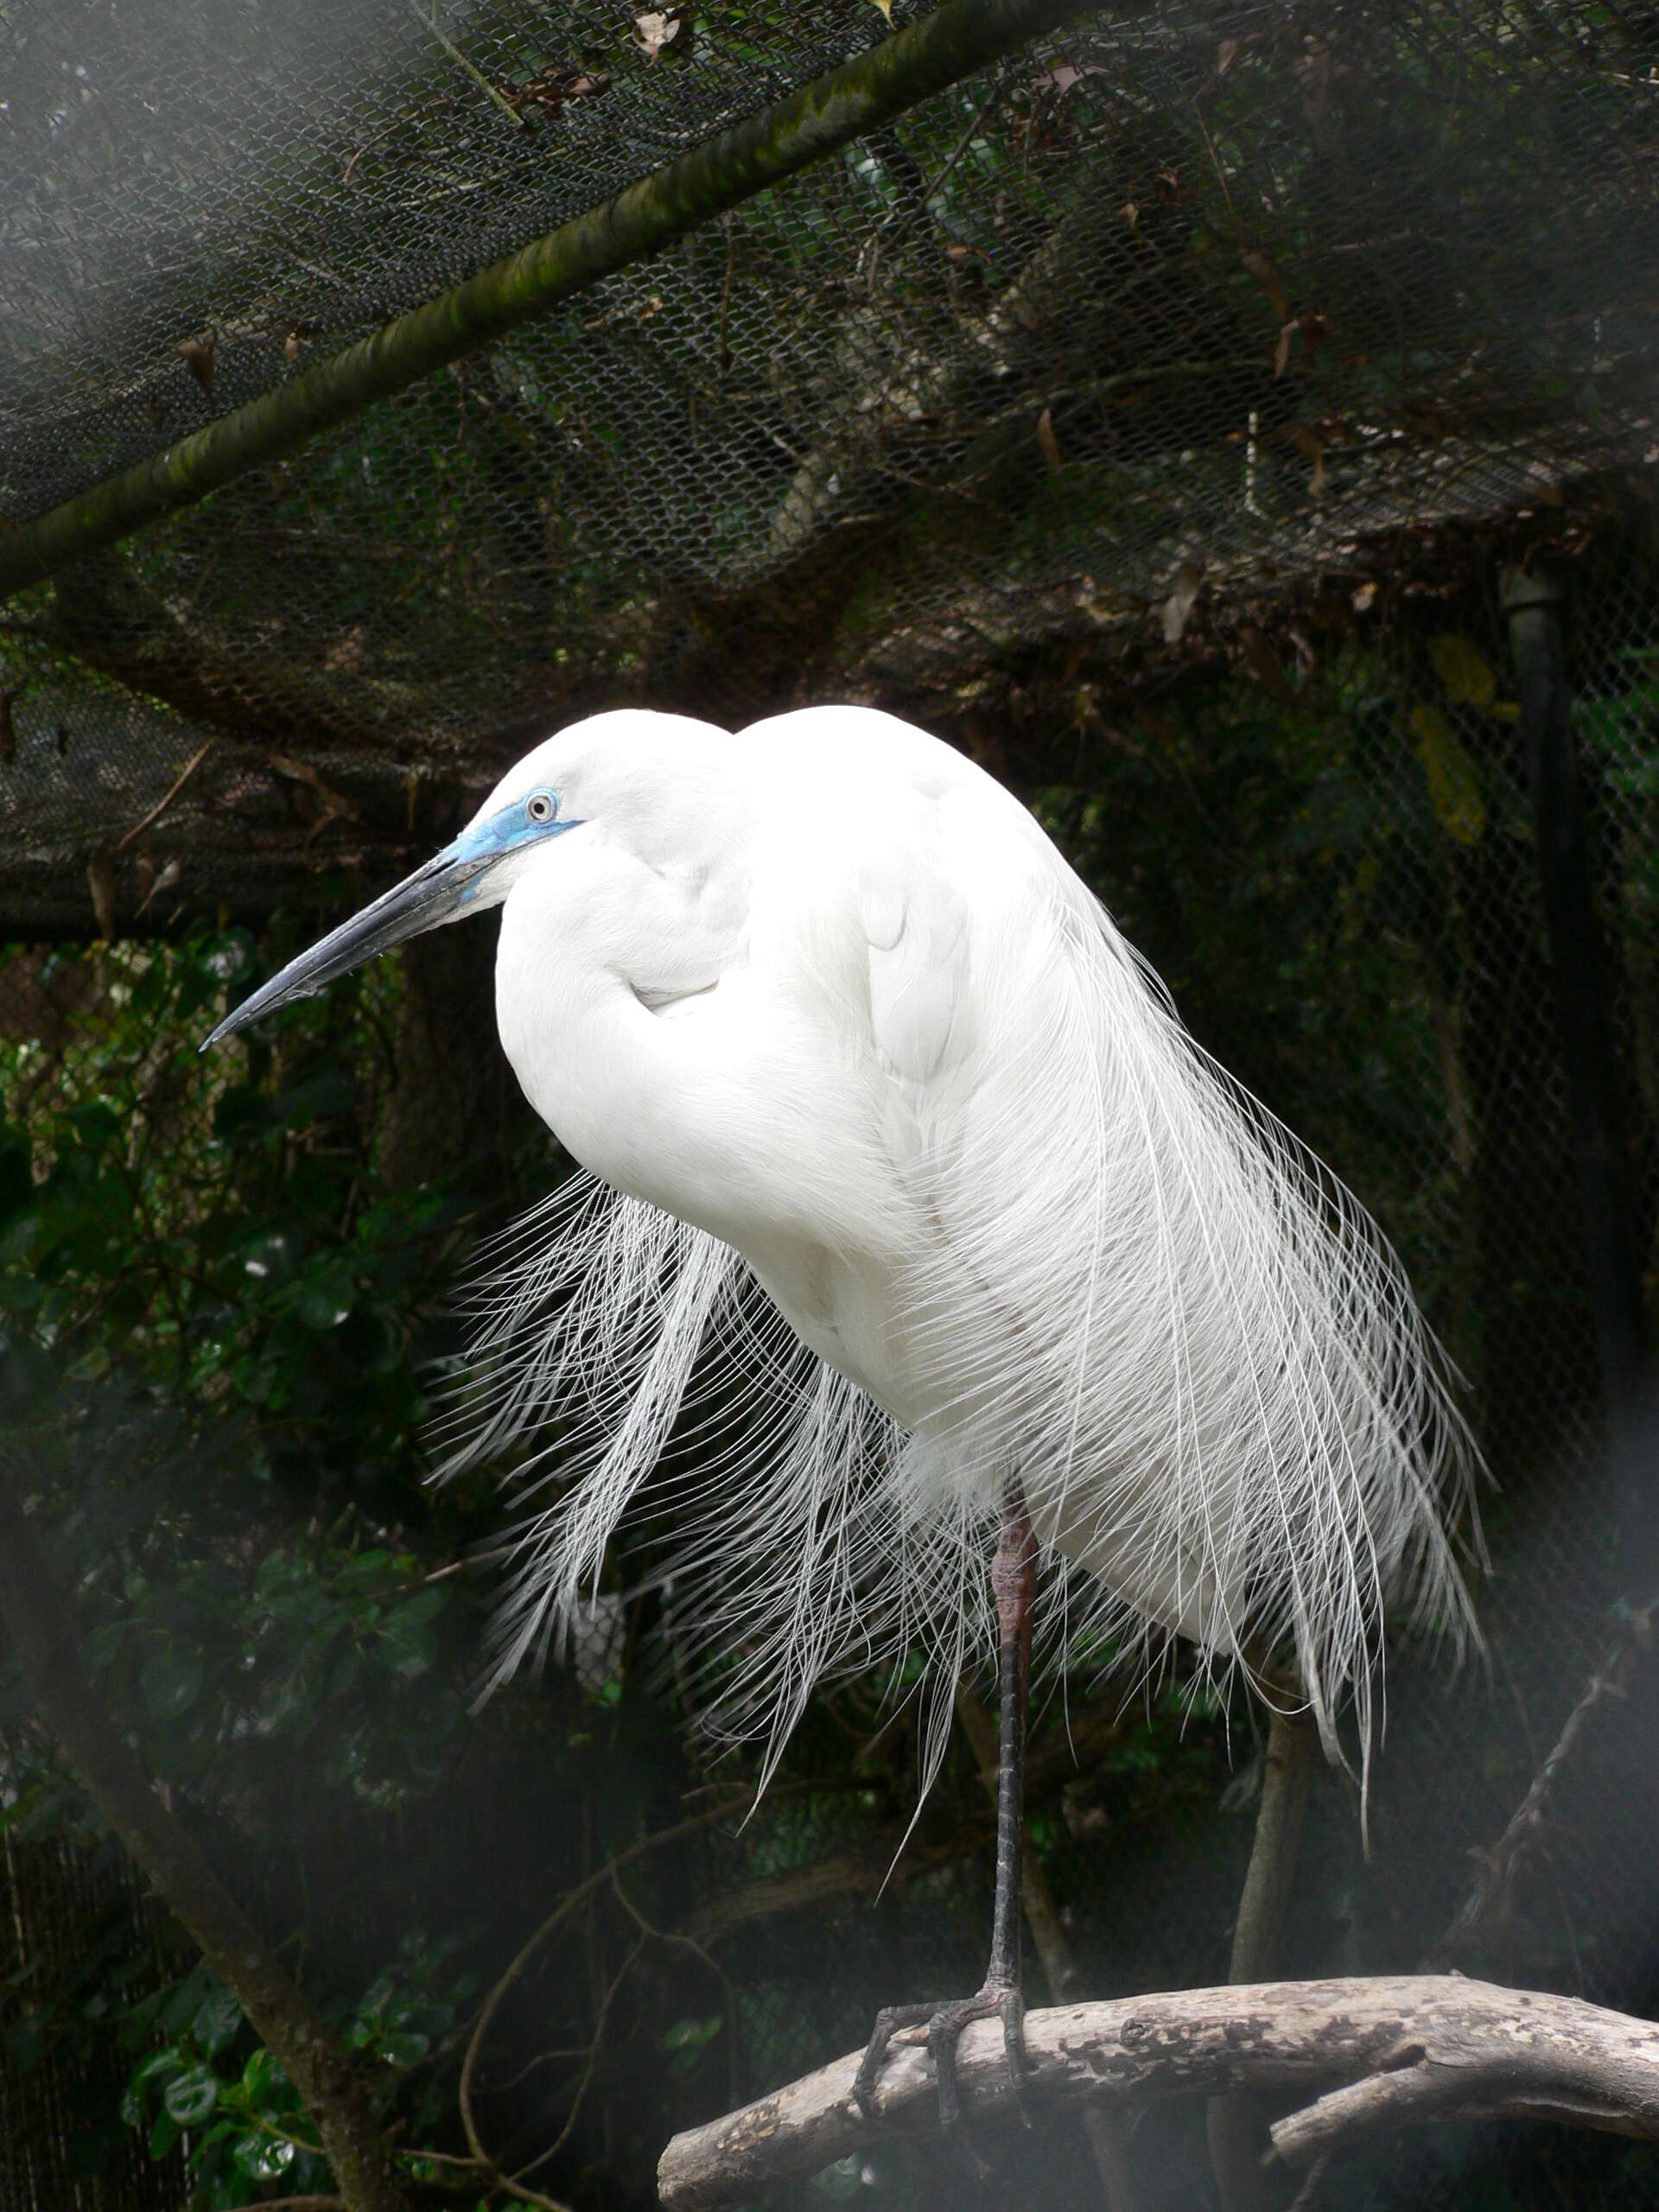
(1176, 309)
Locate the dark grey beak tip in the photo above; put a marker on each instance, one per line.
(422, 901)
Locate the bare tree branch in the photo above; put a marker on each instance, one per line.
(1394, 2051)
(1525, 1842)
(43, 1631)
(1234, 2124)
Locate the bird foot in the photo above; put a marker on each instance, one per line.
(945, 2023)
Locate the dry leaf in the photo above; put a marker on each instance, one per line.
(549, 88)
(886, 6)
(1365, 599)
(198, 353)
(146, 868)
(1048, 442)
(292, 344)
(1317, 329)
(168, 876)
(1226, 55)
(1282, 351)
(1131, 213)
(1178, 607)
(100, 882)
(1266, 276)
(1167, 184)
(658, 30)
(345, 656)
(1263, 664)
(302, 771)
(1311, 443)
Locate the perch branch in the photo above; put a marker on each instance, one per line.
(1367, 2054)
(430, 23)
(846, 102)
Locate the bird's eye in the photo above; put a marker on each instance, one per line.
(540, 807)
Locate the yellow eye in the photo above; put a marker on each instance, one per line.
(540, 807)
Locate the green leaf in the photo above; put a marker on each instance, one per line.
(364, 1567)
(170, 1680)
(404, 2049)
(262, 2158)
(164, 2135)
(192, 2095)
(158, 2067)
(690, 2034)
(326, 1296)
(217, 2018)
(263, 2077)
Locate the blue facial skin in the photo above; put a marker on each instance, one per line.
(508, 828)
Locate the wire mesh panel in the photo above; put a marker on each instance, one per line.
(1178, 308)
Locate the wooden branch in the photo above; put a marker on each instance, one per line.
(43, 1632)
(1369, 2054)
(945, 46)
(1234, 2125)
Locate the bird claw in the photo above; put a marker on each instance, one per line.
(945, 2023)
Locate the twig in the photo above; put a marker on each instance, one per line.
(1221, 177)
(585, 2080)
(966, 139)
(421, 107)
(562, 1911)
(1499, 1869)
(677, 1940)
(170, 795)
(1373, 2054)
(490, 91)
(295, 2204)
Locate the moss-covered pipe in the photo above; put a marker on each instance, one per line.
(959, 37)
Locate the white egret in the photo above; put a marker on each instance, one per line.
(901, 1165)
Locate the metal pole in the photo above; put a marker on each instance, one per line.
(1533, 604)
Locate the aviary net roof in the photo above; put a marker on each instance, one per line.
(1167, 315)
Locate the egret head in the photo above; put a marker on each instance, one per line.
(612, 775)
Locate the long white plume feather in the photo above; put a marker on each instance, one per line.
(1138, 1291)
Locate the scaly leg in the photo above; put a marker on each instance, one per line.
(1014, 1581)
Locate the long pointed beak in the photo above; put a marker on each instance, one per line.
(434, 894)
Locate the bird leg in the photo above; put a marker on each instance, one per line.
(1013, 1583)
